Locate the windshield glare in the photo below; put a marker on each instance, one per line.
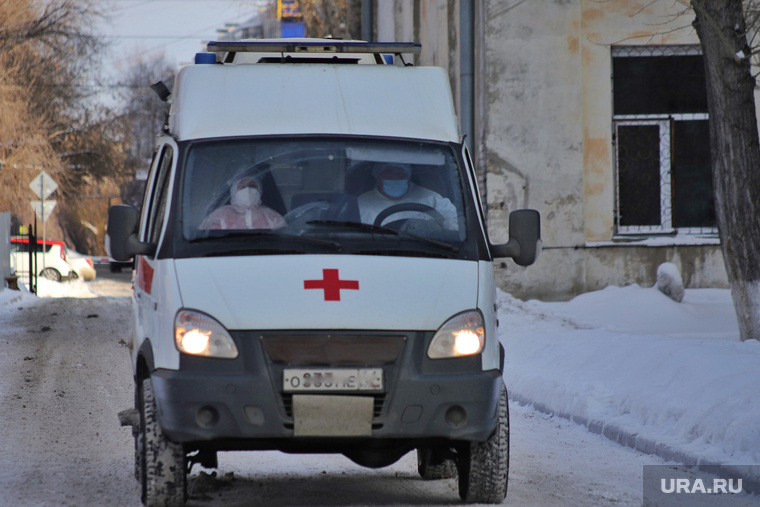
(322, 188)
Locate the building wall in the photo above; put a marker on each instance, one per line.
(547, 133)
(5, 247)
(395, 20)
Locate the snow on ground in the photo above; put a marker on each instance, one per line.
(68, 289)
(632, 361)
(49, 289)
(625, 361)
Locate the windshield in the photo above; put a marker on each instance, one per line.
(325, 191)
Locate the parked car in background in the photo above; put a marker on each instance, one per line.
(82, 264)
(116, 266)
(51, 259)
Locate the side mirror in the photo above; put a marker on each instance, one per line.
(524, 245)
(121, 235)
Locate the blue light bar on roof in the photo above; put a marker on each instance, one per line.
(205, 58)
(313, 46)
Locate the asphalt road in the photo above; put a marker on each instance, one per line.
(104, 273)
(67, 374)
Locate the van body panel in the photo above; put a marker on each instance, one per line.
(487, 306)
(157, 299)
(377, 100)
(268, 292)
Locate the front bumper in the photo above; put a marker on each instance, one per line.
(241, 402)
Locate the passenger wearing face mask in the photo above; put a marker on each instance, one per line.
(395, 187)
(245, 210)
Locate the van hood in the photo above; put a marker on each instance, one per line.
(328, 291)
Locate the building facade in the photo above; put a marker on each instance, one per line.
(593, 113)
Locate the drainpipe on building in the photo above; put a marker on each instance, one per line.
(466, 71)
(367, 20)
(471, 105)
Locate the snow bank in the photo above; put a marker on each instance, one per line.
(669, 281)
(49, 289)
(634, 359)
(71, 289)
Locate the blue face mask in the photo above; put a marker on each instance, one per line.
(395, 188)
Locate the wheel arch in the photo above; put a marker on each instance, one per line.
(144, 364)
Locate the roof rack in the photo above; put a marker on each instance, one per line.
(322, 46)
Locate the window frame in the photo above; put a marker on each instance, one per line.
(157, 195)
(666, 213)
(665, 123)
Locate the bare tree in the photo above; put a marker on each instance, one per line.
(144, 112)
(57, 24)
(45, 60)
(340, 19)
(722, 29)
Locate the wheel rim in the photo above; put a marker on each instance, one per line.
(51, 274)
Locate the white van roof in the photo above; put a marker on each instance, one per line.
(225, 100)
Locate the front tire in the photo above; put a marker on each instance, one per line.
(432, 467)
(51, 274)
(163, 464)
(484, 466)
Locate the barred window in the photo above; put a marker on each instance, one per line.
(662, 141)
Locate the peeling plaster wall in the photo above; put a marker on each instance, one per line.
(534, 133)
(547, 130)
(549, 140)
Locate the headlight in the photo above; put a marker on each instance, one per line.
(198, 334)
(461, 335)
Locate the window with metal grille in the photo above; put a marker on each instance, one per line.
(662, 141)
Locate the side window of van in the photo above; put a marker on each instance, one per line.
(160, 196)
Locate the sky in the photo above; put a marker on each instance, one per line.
(178, 28)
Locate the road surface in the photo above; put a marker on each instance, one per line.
(66, 375)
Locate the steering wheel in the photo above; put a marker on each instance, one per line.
(409, 206)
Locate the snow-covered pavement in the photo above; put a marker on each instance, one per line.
(667, 378)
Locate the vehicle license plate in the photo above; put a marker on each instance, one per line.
(311, 379)
(314, 415)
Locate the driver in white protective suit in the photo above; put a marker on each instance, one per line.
(394, 187)
(245, 210)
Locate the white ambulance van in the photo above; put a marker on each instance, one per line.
(313, 272)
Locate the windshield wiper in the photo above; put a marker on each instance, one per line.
(355, 225)
(385, 230)
(242, 235)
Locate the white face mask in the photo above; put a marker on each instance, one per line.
(246, 198)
